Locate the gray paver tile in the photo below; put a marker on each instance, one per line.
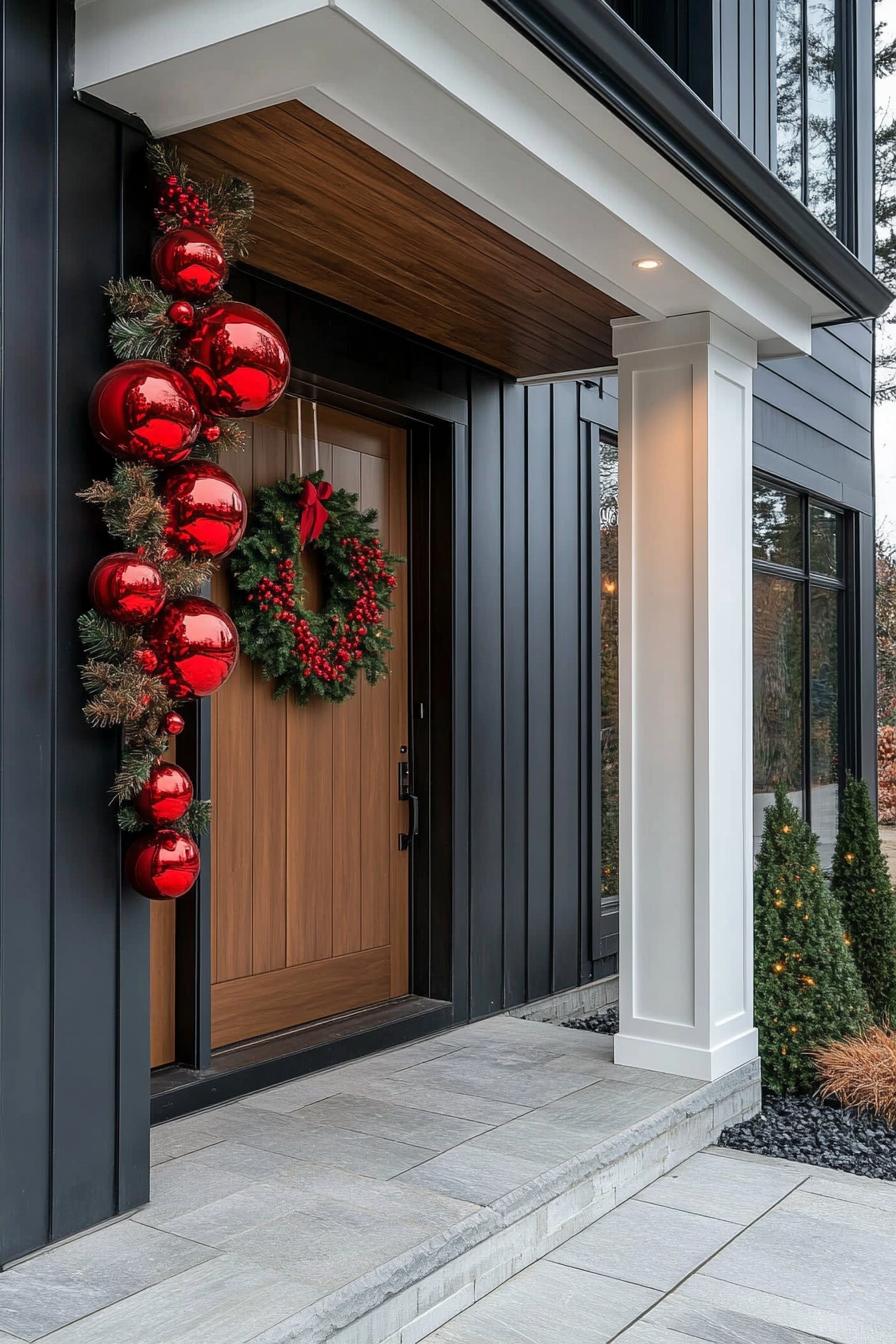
(646, 1244)
(738, 1191)
(391, 1120)
(548, 1304)
(226, 1301)
(88, 1273)
(183, 1184)
(441, 1101)
(821, 1252)
(472, 1174)
(483, 1075)
(541, 1142)
(784, 1313)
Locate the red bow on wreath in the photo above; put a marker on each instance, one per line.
(314, 515)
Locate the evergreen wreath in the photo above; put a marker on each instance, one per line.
(313, 653)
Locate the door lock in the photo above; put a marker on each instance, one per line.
(405, 796)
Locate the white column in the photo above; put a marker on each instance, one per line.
(685, 691)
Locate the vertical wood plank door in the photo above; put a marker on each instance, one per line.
(309, 888)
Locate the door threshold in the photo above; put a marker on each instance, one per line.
(252, 1065)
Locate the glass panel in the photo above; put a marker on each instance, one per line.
(777, 692)
(821, 111)
(825, 540)
(609, 675)
(824, 737)
(789, 82)
(777, 525)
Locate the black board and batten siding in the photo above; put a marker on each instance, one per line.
(73, 965)
(812, 415)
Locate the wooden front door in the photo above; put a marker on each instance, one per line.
(309, 887)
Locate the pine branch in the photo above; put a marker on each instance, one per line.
(104, 639)
(197, 819)
(165, 160)
(185, 575)
(131, 508)
(141, 327)
(130, 820)
(232, 202)
(232, 438)
(136, 763)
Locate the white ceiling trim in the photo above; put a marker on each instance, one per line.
(456, 95)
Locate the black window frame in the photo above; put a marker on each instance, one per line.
(846, 113)
(848, 646)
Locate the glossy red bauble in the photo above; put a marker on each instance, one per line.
(162, 865)
(196, 644)
(206, 510)
(181, 313)
(146, 660)
(174, 722)
(126, 588)
(166, 795)
(189, 262)
(145, 411)
(237, 359)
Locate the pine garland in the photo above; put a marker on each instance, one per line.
(120, 691)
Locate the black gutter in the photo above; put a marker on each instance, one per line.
(598, 49)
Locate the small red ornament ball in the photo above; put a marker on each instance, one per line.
(189, 262)
(206, 510)
(196, 644)
(237, 359)
(126, 588)
(146, 660)
(162, 865)
(181, 313)
(174, 722)
(166, 795)
(145, 411)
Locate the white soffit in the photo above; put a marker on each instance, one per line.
(456, 95)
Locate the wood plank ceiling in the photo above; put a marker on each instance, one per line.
(339, 218)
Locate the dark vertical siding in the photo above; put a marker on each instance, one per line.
(73, 1030)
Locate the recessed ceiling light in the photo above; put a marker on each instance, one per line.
(647, 264)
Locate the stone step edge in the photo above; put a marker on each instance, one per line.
(405, 1299)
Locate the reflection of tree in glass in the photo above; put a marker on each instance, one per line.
(777, 683)
(816, 140)
(777, 525)
(788, 80)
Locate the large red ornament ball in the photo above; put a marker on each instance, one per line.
(196, 644)
(206, 510)
(162, 865)
(237, 359)
(166, 795)
(189, 262)
(126, 588)
(145, 411)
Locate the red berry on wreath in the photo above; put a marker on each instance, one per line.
(174, 722)
(206, 510)
(143, 410)
(211, 433)
(166, 795)
(162, 865)
(181, 313)
(124, 587)
(196, 644)
(189, 262)
(146, 660)
(237, 359)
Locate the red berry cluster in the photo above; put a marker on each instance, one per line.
(180, 203)
(328, 659)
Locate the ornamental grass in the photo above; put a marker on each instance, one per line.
(860, 1071)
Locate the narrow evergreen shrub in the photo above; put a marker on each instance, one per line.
(860, 879)
(807, 988)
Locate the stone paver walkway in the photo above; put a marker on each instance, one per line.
(729, 1248)
(361, 1180)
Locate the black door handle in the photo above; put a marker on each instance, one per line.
(405, 796)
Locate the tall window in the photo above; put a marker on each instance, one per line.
(609, 674)
(798, 656)
(806, 80)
